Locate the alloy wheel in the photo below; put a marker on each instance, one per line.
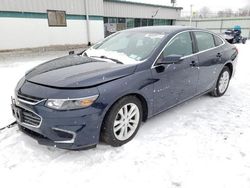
(224, 81)
(126, 121)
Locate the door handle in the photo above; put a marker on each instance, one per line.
(218, 55)
(193, 63)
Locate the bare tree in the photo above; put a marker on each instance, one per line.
(246, 10)
(243, 12)
(226, 13)
(204, 12)
(173, 2)
(220, 13)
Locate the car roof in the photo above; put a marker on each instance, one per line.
(162, 29)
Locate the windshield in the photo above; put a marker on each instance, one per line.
(128, 47)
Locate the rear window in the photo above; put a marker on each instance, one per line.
(218, 41)
(204, 40)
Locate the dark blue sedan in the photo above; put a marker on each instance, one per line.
(105, 92)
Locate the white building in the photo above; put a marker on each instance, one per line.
(42, 23)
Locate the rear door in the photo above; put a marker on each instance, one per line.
(175, 82)
(210, 57)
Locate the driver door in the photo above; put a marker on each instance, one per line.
(176, 82)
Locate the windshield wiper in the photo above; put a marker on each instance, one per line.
(105, 57)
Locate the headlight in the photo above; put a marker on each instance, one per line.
(70, 104)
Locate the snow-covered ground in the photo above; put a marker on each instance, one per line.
(201, 144)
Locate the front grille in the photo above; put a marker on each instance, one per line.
(28, 99)
(30, 118)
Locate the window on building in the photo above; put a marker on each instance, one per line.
(112, 20)
(137, 22)
(204, 40)
(121, 20)
(156, 22)
(168, 22)
(150, 22)
(121, 25)
(105, 20)
(56, 18)
(130, 23)
(144, 22)
(162, 22)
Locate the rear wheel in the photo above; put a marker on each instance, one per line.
(122, 121)
(222, 82)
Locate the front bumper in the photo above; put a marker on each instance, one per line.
(73, 129)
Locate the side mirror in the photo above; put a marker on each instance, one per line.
(170, 59)
(71, 52)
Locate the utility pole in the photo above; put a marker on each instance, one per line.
(173, 2)
(191, 15)
(87, 21)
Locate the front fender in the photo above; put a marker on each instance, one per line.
(140, 83)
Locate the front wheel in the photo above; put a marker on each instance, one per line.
(122, 121)
(222, 82)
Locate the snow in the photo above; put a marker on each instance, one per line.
(111, 54)
(202, 143)
(13, 68)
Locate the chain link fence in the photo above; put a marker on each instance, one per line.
(218, 24)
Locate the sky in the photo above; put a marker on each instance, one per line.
(213, 5)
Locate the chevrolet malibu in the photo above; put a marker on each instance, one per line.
(105, 92)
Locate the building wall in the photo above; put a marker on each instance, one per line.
(19, 32)
(24, 23)
(219, 25)
(138, 10)
(119, 15)
(41, 6)
(33, 32)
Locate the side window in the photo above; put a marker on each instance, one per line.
(180, 45)
(217, 40)
(204, 40)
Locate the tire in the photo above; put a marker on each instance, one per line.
(222, 83)
(115, 119)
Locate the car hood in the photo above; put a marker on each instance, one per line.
(75, 71)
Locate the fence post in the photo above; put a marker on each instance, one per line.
(221, 25)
